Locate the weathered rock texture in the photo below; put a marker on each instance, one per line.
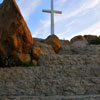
(53, 98)
(78, 38)
(71, 74)
(87, 50)
(64, 76)
(79, 41)
(36, 52)
(69, 60)
(15, 37)
(64, 42)
(45, 48)
(90, 37)
(54, 41)
(50, 80)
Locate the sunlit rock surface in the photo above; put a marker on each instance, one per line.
(15, 37)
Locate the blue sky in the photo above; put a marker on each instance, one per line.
(79, 17)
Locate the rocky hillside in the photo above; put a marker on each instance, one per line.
(57, 69)
(70, 73)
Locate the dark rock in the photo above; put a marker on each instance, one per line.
(90, 37)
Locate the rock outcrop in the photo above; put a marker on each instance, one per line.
(93, 39)
(71, 74)
(54, 41)
(15, 38)
(90, 37)
(79, 41)
(66, 71)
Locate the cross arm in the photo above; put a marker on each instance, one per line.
(47, 11)
(57, 12)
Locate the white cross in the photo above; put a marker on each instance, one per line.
(52, 11)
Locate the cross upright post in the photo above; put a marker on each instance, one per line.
(52, 18)
(52, 11)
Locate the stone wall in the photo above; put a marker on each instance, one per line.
(63, 76)
(86, 50)
(69, 60)
(49, 80)
(88, 97)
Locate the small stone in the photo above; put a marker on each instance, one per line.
(34, 62)
(36, 52)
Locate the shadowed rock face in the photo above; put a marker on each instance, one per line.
(90, 37)
(15, 37)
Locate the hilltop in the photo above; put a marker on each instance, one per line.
(45, 69)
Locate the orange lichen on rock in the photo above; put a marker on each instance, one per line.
(34, 62)
(54, 41)
(15, 37)
(36, 52)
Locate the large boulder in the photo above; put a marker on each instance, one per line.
(15, 38)
(90, 37)
(54, 41)
(79, 41)
(78, 38)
